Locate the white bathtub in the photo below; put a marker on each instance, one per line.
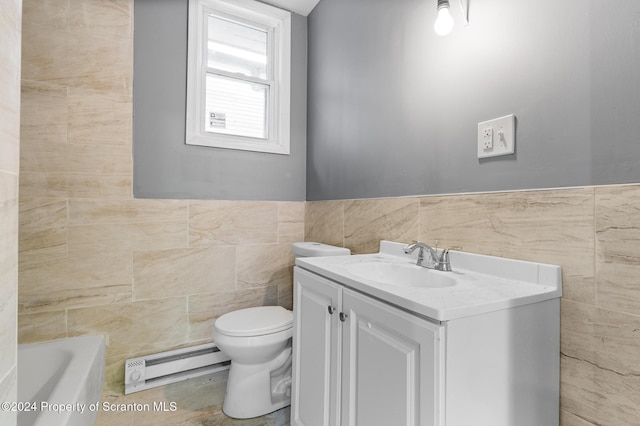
(60, 382)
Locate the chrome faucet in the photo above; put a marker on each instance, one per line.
(439, 263)
(433, 257)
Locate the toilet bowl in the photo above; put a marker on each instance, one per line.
(258, 342)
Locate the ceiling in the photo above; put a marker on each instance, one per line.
(301, 7)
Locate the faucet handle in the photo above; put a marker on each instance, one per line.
(445, 252)
(444, 264)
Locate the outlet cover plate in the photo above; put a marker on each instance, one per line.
(503, 140)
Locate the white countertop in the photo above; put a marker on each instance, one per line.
(483, 283)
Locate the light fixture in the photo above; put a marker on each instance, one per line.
(444, 21)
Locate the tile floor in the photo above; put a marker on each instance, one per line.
(197, 402)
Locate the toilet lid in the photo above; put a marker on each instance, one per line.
(255, 321)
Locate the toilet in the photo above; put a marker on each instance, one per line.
(258, 342)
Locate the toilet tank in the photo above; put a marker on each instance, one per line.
(311, 249)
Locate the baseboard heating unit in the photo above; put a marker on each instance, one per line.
(155, 370)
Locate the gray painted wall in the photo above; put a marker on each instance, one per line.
(393, 108)
(163, 166)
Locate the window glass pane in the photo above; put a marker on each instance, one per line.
(237, 48)
(236, 107)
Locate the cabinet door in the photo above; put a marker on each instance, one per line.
(316, 349)
(391, 365)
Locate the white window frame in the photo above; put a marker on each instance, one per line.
(278, 106)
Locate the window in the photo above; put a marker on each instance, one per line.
(238, 84)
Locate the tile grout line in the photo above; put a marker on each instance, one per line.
(595, 247)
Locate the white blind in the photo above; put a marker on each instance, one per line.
(238, 107)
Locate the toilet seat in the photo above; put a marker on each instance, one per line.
(256, 321)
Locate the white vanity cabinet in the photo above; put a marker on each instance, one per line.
(479, 346)
(360, 361)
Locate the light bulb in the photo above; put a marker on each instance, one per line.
(444, 22)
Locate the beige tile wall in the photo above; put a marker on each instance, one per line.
(593, 233)
(149, 275)
(10, 30)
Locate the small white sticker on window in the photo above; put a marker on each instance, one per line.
(218, 120)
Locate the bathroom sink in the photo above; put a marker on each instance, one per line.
(477, 283)
(400, 274)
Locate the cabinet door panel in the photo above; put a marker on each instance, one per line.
(316, 351)
(391, 373)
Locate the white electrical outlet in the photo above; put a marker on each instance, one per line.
(497, 137)
(487, 138)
